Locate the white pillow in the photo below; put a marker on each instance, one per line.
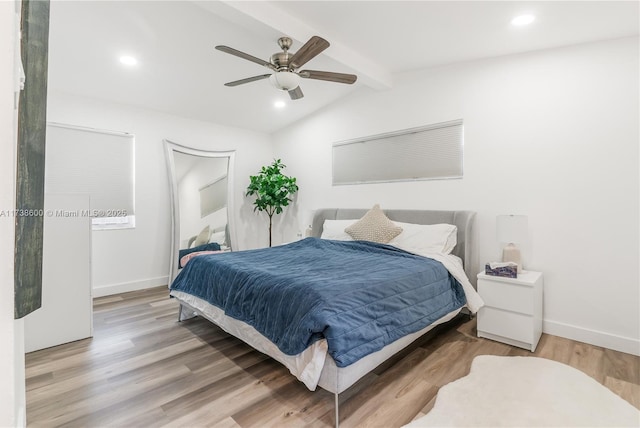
(426, 238)
(334, 229)
(218, 237)
(202, 238)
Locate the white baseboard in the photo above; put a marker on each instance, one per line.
(124, 287)
(21, 420)
(593, 337)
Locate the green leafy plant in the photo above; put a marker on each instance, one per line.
(273, 190)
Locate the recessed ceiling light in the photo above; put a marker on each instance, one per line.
(522, 20)
(279, 104)
(128, 60)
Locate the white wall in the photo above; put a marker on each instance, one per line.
(12, 387)
(551, 134)
(137, 258)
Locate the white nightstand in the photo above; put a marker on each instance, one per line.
(513, 309)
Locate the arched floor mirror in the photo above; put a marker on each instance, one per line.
(201, 184)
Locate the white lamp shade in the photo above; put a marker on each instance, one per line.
(511, 228)
(285, 80)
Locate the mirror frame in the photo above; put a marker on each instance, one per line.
(170, 148)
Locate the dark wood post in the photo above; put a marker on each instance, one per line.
(32, 123)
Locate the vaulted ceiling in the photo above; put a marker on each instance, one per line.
(179, 71)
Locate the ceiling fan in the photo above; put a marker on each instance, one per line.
(284, 66)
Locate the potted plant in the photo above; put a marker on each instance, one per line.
(273, 190)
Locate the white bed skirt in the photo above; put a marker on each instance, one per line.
(314, 366)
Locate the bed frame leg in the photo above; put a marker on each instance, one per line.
(180, 313)
(337, 405)
(185, 313)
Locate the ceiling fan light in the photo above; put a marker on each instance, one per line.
(285, 80)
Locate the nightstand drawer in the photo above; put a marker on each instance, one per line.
(507, 324)
(515, 298)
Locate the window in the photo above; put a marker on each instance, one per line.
(94, 162)
(213, 196)
(424, 153)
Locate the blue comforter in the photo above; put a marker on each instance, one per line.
(358, 295)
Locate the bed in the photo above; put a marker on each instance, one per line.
(343, 346)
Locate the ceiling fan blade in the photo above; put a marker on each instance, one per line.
(329, 76)
(309, 50)
(247, 80)
(246, 56)
(296, 93)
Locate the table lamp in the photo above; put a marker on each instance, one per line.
(511, 229)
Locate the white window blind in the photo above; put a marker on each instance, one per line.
(94, 162)
(213, 196)
(428, 152)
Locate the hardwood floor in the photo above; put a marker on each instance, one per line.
(143, 368)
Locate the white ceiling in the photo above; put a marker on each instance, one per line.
(180, 73)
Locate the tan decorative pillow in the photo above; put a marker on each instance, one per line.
(202, 238)
(374, 226)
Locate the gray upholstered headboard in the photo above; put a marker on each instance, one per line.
(464, 220)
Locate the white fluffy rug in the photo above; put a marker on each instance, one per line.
(527, 392)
